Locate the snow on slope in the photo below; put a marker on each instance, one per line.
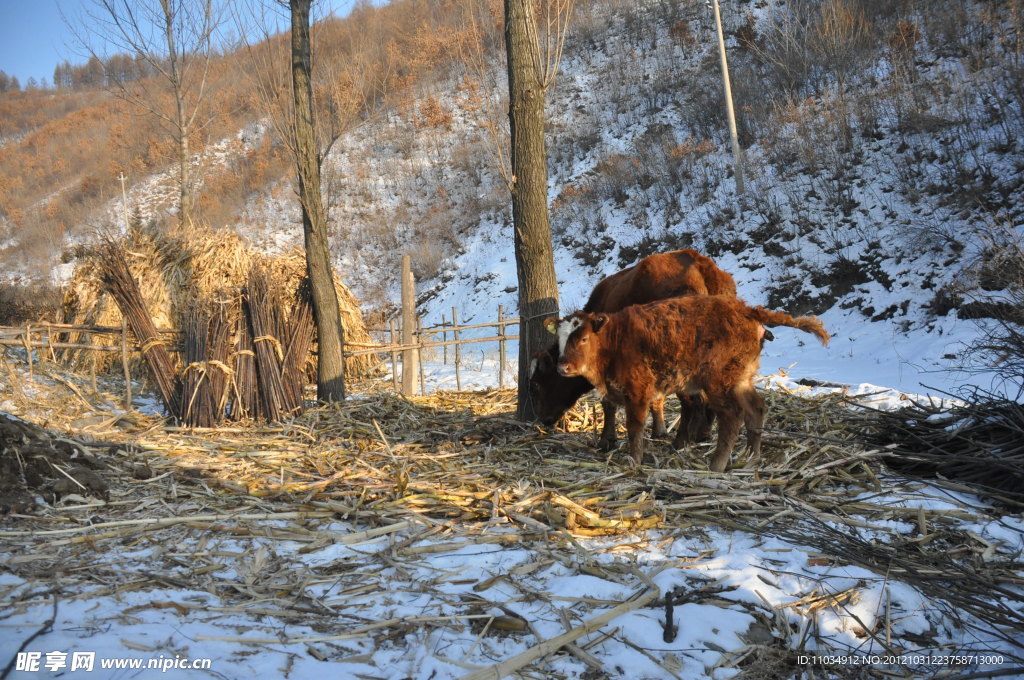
(869, 234)
(804, 226)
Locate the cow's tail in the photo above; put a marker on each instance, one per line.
(807, 324)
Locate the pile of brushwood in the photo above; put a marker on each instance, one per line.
(978, 442)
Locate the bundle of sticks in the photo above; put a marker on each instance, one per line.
(277, 345)
(244, 352)
(207, 345)
(117, 277)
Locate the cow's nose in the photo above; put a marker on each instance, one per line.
(563, 369)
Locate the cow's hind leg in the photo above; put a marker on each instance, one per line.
(608, 436)
(694, 420)
(753, 417)
(728, 429)
(742, 404)
(658, 428)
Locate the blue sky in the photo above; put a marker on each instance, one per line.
(34, 38)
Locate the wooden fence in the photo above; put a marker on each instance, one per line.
(449, 334)
(41, 336)
(450, 337)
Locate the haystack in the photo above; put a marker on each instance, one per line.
(175, 267)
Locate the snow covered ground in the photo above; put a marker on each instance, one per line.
(256, 590)
(386, 609)
(189, 588)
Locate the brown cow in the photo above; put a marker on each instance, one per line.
(697, 345)
(656, 277)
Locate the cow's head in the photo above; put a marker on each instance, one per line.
(578, 343)
(552, 393)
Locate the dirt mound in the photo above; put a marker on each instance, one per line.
(35, 463)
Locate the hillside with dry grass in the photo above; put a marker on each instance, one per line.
(64, 149)
(882, 140)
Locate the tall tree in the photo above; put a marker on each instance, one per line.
(531, 70)
(330, 379)
(175, 41)
(309, 117)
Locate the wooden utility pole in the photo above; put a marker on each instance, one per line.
(737, 152)
(124, 201)
(410, 356)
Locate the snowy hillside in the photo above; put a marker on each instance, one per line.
(863, 205)
(878, 173)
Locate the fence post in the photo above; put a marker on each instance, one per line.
(92, 373)
(458, 349)
(419, 343)
(410, 356)
(124, 365)
(444, 339)
(27, 339)
(501, 347)
(394, 356)
(49, 344)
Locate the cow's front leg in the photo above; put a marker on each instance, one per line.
(658, 428)
(728, 429)
(636, 418)
(608, 436)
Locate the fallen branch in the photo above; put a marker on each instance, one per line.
(511, 665)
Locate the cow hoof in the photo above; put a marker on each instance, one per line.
(605, 445)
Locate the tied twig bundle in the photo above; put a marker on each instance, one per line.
(244, 392)
(219, 357)
(300, 330)
(195, 386)
(207, 338)
(266, 319)
(117, 278)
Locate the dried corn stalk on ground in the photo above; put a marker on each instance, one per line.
(437, 536)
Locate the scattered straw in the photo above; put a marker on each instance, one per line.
(445, 472)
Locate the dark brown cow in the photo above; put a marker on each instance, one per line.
(656, 277)
(697, 345)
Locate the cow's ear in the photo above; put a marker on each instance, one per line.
(551, 323)
(598, 321)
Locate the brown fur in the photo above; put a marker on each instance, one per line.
(656, 277)
(698, 345)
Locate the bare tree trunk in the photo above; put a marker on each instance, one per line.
(535, 262)
(181, 122)
(184, 179)
(173, 39)
(330, 379)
